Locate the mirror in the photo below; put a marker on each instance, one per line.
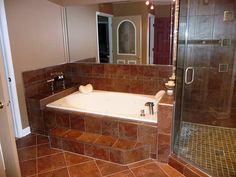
(127, 32)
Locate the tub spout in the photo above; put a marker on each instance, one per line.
(150, 105)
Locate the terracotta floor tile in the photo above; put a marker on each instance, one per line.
(124, 144)
(50, 163)
(169, 170)
(72, 134)
(140, 163)
(29, 140)
(149, 170)
(107, 168)
(42, 139)
(72, 159)
(57, 173)
(88, 137)
(58, 132)
(44, 150)
(106, 140)
(127, 173)
(88, 169)
(28, 168)
(27, 153)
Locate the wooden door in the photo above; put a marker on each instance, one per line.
(136, 52)
(9, 163)
(162, 41)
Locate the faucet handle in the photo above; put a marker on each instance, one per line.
(149, 104)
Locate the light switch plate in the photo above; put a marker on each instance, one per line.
(228, 16)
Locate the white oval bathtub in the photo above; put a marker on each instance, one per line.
(115, 104)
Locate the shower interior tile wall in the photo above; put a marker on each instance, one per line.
(208, 100)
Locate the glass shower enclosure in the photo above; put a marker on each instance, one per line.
(205, 119)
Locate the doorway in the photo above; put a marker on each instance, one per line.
(104, 37)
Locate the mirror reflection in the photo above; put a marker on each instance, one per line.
(127, 32)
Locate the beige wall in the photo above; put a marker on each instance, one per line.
(36, 39)
(163, 11)
(82, 31)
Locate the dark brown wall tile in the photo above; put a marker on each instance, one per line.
(128, 130)
(116, 156)
(97, 151)
(73, 146)
(56, 142)
(49, 119)
(93, 123)
(77, 121)
(33, 76)
(136, 86)
(148, 135)
(150, 87)
(136, 155)
(62, 119)
(164, 145)
(150, 71)
(110, 127)
(136, 72)
(165, 119)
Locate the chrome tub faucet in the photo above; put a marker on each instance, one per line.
(150, 105)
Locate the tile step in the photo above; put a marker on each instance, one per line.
(103, 147)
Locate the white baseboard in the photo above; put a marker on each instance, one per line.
(25, 131)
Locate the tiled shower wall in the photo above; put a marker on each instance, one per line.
(208, 99)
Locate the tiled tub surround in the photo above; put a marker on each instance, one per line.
(114, 104)
(139, 79)
(122, 78)
(103, 137)
(37, 103)
(164, 133)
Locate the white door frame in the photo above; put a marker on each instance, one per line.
(9, 73)
(110, 35)
(149, 36)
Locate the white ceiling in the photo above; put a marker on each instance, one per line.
(87, 2)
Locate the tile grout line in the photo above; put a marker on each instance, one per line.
(98, 168)
(66, 164)
(117, 173)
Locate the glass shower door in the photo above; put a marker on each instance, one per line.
(205, 124)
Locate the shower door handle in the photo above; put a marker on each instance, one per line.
(186, 75)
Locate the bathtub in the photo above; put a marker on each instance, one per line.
(114, 104)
